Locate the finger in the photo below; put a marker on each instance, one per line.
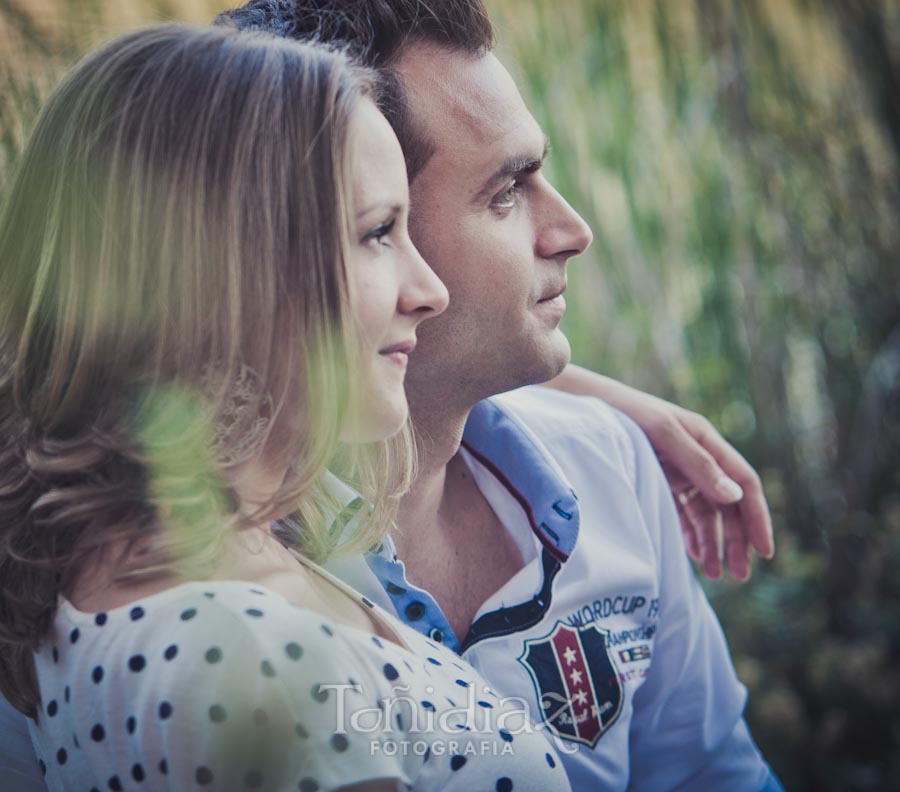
(689, 532)
(707, 521)
(755, 518)
(754, 512)
(690, 448)
(737, 545)
(679, 484)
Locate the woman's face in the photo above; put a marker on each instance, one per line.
(392, 288)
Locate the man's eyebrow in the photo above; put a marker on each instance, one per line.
(516, 164)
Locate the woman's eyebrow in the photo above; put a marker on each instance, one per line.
(382, 206)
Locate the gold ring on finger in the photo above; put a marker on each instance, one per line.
(684, 498)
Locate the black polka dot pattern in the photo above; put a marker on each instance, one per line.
(457, 762)
(320, 693)
(340, 743)
(218, 713)
(294, 650)
(178, 674)
(137, 663)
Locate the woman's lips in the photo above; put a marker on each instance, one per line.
(398, 354)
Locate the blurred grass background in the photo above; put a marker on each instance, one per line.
(738, 161)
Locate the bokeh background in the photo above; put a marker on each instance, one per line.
(739, 162)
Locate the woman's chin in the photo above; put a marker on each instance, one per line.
(379, 421)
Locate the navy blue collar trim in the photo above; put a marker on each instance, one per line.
(519, 617)
(551, 548)
(529, 472)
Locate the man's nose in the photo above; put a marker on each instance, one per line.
(564, 232)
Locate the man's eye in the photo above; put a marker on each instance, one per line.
(379, 232)
(507, 198)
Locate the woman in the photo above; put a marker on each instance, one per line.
(209, 300)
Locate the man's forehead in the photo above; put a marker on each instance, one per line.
(464, 100)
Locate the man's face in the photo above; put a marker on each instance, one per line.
(492, 228)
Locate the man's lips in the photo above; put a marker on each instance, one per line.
(552, 295)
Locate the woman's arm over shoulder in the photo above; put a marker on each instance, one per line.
(719, 496)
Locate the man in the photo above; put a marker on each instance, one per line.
(540, 539)
(540, 543)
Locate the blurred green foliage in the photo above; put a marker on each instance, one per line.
(738, 161)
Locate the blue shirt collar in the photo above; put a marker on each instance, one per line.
(525, 467)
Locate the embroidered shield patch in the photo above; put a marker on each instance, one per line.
(576, 680)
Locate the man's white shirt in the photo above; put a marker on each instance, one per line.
(605, 633)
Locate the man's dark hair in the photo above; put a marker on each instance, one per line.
(375, 32)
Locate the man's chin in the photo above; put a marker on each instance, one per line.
(558, 356)
(544, 367)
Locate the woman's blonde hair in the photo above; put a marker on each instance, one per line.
(174, 301)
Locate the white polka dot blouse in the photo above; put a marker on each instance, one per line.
(227, 685)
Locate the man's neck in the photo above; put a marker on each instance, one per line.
(438, 439)
(449, 537)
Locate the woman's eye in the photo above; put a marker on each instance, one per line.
(379, 232)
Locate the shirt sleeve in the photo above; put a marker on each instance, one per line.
(274, 697)
(688, 730)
